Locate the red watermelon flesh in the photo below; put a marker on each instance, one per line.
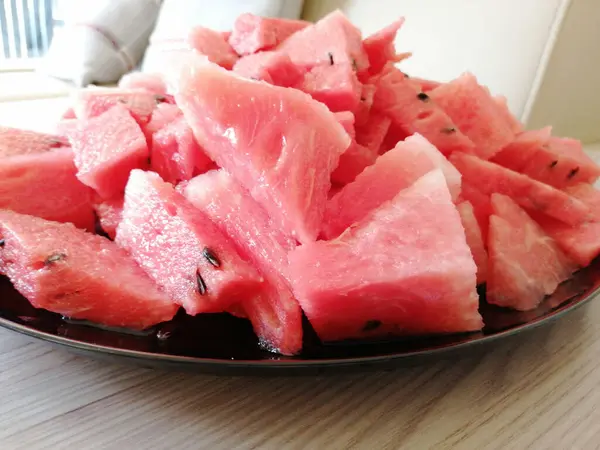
(525, 264)
(45, 185)
(352, 162)
(424, 84)
(412, 111)
(363, 110)
(212, 44)
(517, 154)
(90, 103)
(332, 40)
(504, 111)
(415, 271)
(69, 114)
(346, 119)
(64, 127)
(153, 83)
(474, 239)
(175, 155)
(527, 192)
(273, 67)
(276, 315)
(380, 46)
(258, 133)
(164, 114)
(181, 249)
(107, 147)
(252, 33)
(391, 173)
(335, 85)
(372, 133)
(482, 207)
(109, 213)
(14, 141)
(475, 112)
(62, 269)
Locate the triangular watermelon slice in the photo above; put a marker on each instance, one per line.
(258, 133)
(276, 315)
(151, 82)
(109, 213)
(482, 207)
(525, 264)
(213, 45)
(273, 67)
(405, 269)
(527, 192)
(474, 239)
(335, 85)
(78, 275)
(181, 249)
(372, 133)
(380, 46)
(14, 142)
(353, 162)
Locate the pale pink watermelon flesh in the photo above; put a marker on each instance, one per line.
(173, 242)
(474, 239)
(253, 33)
(352, 162)
(425, 85)
(64, 127)
(107, 147)
(334, 85)
(390, 174)
(45, 185)
(525, 264)
(275, 315)
(372, 133)
(14, 142)
(90, 103)
(363, 111)
(109, 213)
(482, 207)
(175, 155)
(417, 275)
(164, 114)
(380, 46)
(346, 120)
(212, 44)
(270, 66)
(152, 83)
(257, 131)
(517, 154)
(64, 270)
(475, 112)
(68, 114)
(527, 192)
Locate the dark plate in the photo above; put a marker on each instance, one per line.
(223, 344)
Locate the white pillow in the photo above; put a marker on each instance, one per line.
(101, 40)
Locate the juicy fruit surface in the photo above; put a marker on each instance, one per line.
(152, 83)
(474, 239)
(107, 148)
(258, 133)
(78, 275)
(336, 86)
(273, 67)
(213, 45)
(169, 238)
(109, 213)
(404, 269)
(352, 162)
(45, 185)
(15, 142)
(94, 102)
(380, 46)
(275, 315)
(525, 264)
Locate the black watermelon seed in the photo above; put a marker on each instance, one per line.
(160, 98)
(448, 130)
(553, 164)
(211, 257)
(330, 58)
(371, 325)
(405, 75)
(2, 242)
(55, 257)
(573, 172)
(55, 143)
(201, 283)
(354, 65)
(423, 96)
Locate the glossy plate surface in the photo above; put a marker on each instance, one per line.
(226, 345)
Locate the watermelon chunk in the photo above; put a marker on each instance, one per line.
(525, 264)
(380, 46)
(152, 83)
(424, 84)
(417, 275)
(372, 133)
(482, 207)
(68, 114)
(64, 127)
(273, 67)
(517, 154)
(352, 162)
(390, 174)
(177, 246)
(335, 85)
(530, 194)
(363, 111)
(46, 185)
(412, 111)
(346, 119)
(472, 108)
(164, 114)
(252, 33)
(212, 44)
(109, 213)
(175, 155)
(107, 148)
(62, 269)
(332, 40)
(276, 315)
(474, 239)
(14, 141)
(257, 132)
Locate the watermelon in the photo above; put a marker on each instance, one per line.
(559, 162)
(252, 33)
(68, 114)
(107, 147)
(346, 119)
(514, 123)
(481, 206)
(257, 132)
(424, 84)
(372, 133)
(46, 185)
(175, 155)
(363, 110)
(273, 67)
(181, 249)
(78, 275)
(212, 44)
(412, 111)
(352, 162)
(22, 142)
(276, 315)
(332, 40)
(164, 114)
(475, 112)
(525, 264)
(335, 85)
(64, 127)
(153, 83)
(404, 269)
(474, 239)
(109, 213)
(391, 173)
(380, 46)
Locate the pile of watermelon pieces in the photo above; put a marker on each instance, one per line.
(286, 169)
